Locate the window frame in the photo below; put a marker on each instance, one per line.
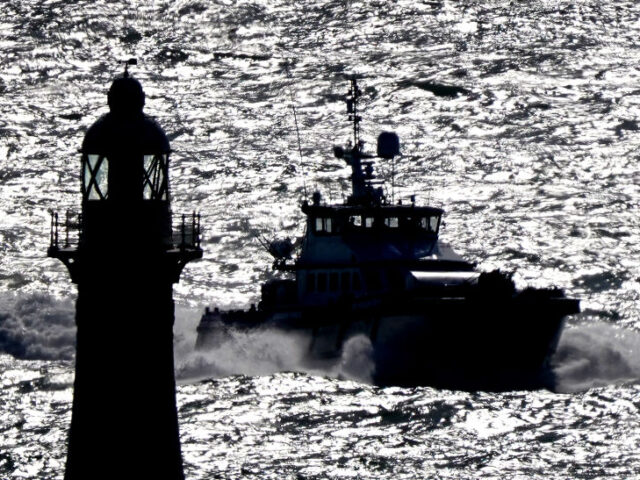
(95, 177)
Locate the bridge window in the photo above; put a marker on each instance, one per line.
(324, 224)
(391, 222)
(430, 224)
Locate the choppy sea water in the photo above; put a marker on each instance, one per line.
(535, 164)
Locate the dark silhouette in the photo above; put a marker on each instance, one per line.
(124, 255)
(375, 271)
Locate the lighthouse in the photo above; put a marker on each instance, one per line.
(124, 252)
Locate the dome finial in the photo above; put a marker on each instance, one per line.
(131, 61)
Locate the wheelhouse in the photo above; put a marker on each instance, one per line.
(401, 220)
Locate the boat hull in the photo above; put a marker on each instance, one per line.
(458, 343)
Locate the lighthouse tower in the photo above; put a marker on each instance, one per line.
(124, 253)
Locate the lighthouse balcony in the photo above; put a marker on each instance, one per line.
(67, 231)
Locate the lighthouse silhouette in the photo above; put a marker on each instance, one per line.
(124, 253)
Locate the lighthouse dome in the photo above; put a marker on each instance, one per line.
(126, 96)
(125, 153)
(125, 129)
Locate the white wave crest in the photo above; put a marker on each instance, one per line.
(268, 351)
(356, 362)
(254, 352)
(37, 326)
(596, 355)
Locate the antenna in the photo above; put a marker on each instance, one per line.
(352, 109)
(295, 119)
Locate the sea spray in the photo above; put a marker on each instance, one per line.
(37, 327)
(594, 355)
(266, 351)
(356, 362)
(40, 326)
(254, 352)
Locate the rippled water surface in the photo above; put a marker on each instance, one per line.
(535, 163)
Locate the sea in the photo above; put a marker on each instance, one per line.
(520, 119)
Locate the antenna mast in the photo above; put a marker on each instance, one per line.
(352, 109)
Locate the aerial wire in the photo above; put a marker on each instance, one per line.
(295, 119)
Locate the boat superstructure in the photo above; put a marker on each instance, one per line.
(371, 267)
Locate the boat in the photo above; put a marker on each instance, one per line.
(374, 268)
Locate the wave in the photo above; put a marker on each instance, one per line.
(269, 351)
(595, 355)
(588, 356)
(41, 327)
(37, 327)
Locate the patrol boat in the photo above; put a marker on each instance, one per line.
(370, 267)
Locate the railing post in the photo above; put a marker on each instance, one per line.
(182, 233)
(193, 229)
(56, 223)
(66, 225)
(51, 230)
(198, 235)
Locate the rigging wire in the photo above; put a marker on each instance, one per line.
(295, 119)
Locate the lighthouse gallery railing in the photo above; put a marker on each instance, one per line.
(66, 232)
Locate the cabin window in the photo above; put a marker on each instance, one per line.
(333, 281)
(311, 282)
(322, 282)
(345, 281)
(368, 222)
(391, 222)
(324, 224)
(355, 220)
(430, 224)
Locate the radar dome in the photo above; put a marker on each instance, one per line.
(388, 145)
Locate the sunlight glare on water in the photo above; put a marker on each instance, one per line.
(535, 163)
